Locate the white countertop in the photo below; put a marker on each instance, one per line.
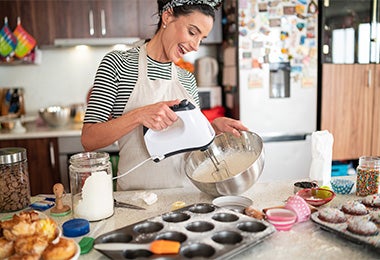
(304, 240)
(38, 130)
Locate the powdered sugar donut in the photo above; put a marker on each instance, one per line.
(361, 227)
(332, 215)
(372, 200)
(354, 208)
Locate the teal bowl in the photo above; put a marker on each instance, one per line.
(342, 186)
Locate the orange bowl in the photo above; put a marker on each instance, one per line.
(316, 196)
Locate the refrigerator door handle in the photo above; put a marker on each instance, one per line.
(284, 137)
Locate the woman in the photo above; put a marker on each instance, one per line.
(136, 88)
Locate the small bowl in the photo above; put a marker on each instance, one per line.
(342, 186)
(281, 218)
(56, 116)
(235, 203)
(304, 185)
(316, 196)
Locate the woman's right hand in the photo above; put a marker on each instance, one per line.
(158, 116)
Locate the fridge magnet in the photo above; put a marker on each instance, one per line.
(273, 3)
(301, 16)
(243, 32)
(264, 30)
(251, 25)
(284, 35)
(257, 44)
(243, 4)
(276, 22)
(263, 7)
(312, 8)
(289, 10)
(300, 9)
(256, 64)
(300, 26)
(304, 2)
(255, 78)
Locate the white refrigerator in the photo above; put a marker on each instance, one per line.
(277, 81)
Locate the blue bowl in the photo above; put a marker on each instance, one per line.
(342, 186)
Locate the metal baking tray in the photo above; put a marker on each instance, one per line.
(371, 241)
(204, 231)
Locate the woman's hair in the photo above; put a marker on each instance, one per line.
(184, 10)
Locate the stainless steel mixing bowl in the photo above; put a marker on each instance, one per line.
(224, 145)
(55, 116)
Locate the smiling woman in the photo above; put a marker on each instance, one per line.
(137, 88)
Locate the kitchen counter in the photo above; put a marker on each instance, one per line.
(304, 240)
(38, 130)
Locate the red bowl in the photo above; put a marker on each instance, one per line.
(316, 196)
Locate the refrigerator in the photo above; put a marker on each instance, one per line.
(277, 77)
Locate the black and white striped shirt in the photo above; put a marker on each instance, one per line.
(116, 78)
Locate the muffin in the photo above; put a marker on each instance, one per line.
(375, 216)
(361, 227)
(331, 215)
(372, 200)
(64, 249)
(354, 208)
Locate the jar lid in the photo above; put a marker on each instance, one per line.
(76, 227)
(12, 155)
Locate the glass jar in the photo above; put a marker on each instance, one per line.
(91, 185)
(367, 179)
(14, 179)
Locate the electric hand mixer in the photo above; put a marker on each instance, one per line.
(192, 131)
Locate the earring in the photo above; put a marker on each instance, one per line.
(164, 26)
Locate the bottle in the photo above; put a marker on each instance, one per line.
(91, 185)
(367, 178)
(14, 179)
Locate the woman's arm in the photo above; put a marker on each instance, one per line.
(157, 116)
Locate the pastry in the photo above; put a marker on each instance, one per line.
(64, 249)
(254, 213)
(362, 227)
(332, 215)
(354, 208)
(372, 200)
(375, 216)
(30, 245)
(6, 248)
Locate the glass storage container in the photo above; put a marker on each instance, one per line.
(91, 185)
(367, 179)
(14, 179)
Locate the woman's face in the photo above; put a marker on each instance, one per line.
(184, 34)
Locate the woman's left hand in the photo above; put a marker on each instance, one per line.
(228, 125)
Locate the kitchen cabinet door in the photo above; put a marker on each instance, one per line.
(347, 108)
(376, 114)
(96, 18)
(37, 18)
(43, 163)
(148, 18)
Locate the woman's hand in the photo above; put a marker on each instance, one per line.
(158, 116)
(228, 125)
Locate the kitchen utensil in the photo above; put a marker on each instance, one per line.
(316, 196)
(158, 247)
(127, 205)
(192, 131)
(235, 203)
(205, 231)
(221, 171)
(25, 42)
(8, 40)
(87, 242)
(304, 184)
(244, 156)
(55, 116)
(206, 71)
(299, 206)
(342, 186)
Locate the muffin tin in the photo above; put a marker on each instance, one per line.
(372, 241)
(204, 230)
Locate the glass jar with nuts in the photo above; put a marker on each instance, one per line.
(14, 179)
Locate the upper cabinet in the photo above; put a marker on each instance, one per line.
(48, 20)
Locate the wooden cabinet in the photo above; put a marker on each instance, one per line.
(96, 18)
(43, 162)
(350, 108)
(147, 18)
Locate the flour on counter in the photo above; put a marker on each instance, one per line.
(97, 197)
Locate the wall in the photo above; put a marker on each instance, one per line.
(64, 75)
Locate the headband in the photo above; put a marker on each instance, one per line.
(176, 3)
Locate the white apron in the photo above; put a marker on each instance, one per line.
(167, 173)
